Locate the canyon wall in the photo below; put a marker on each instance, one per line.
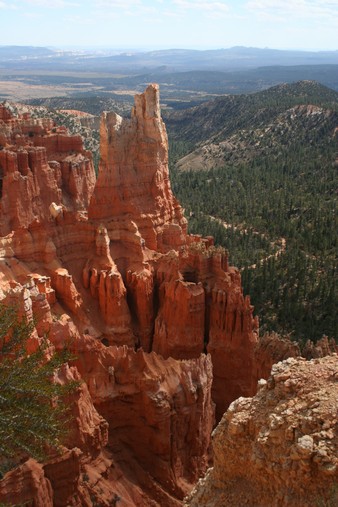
(163, 337)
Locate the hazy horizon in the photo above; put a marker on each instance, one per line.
(142, 25)
(85, 48)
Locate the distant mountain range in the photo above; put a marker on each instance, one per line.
(15, 53)
(169, 60)
(187, 77)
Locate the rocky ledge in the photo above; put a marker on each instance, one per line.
(279, 448)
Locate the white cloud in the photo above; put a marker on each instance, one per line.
(52, 4)
(288, 10)
(130, 8)
(79, 20)
(117, 8)
(6, 5)
(202, 5)
(159, 9)
(118, 4)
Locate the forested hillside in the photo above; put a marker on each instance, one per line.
(274, 208)
(224, 116)
(259, 172)
(94, 104)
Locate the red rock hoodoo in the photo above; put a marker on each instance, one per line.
(111, 266)
(133, 181)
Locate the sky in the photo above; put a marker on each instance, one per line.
(159, 24)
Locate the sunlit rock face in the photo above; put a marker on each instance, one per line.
(156, 318)
(40, 164)
(133, 180)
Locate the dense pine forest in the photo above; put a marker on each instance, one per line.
(276, 213)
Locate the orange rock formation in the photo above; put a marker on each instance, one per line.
(133, 181)
(110, 266)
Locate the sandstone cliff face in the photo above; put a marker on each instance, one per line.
(112, 271)
(168, 434)
(102, 278)
(40, 164)
(323, 347)
(272, 348)
(160, 418)
(27, 483)
(279, 448)
(108, 271)
(205, 310)
(133, 174)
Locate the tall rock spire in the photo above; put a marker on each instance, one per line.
(133, 178)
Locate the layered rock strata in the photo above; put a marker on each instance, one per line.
(279, 448)
(111, 271)
(133, 178)
(40, 164)
(140, 426)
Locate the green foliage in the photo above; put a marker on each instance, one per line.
(32, 414)
(221, 118)
(93, 104)
(287, 194)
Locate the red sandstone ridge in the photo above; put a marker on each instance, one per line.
(40, 164)
(158, 322)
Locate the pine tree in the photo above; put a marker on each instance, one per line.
(32, 414)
